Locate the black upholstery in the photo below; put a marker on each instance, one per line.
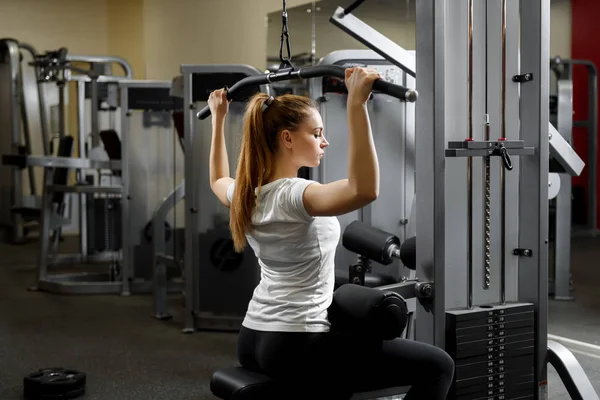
(112, 146)
(368, 312)
(238, 383)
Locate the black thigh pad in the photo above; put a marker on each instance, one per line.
(368, 311)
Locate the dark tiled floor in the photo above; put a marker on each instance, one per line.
(129, 355)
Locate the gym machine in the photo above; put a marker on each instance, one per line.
(561, 111)
(500, 19)
(482, 167)
(96, 174)
(22, 111)
(559, 180)
(569, 208)
(152, 161)
(392, 123)
(218, 282)
(97, 90)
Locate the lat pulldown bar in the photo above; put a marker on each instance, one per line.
(397, 91)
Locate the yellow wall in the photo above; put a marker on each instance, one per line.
(81, 26)
(125, 33)
(560, 28)
(186, 32)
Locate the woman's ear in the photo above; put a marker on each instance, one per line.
(286, 139)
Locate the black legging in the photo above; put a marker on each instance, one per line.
(340, 365)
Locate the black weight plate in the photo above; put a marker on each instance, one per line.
(524, 363)
(462, 315)
(67, 395)
(497, 355)
(528, 316)
(488, 332)
(509, 392)
(465, 374)
(519, 324)
(503, 379)
(54, 380)
(507, 349)
(482, 346)
(492, 341)
(528, 396)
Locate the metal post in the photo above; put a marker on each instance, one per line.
(191, 205)
(15, 185)
(43, 117)
(45, 228)
(95, 99)
(313, 35)
(430, 145)
(470, 162)
(83, 245)
(562, 238)
(533, 184)
(25, 128)
(41, 99)
(61, 108)
(127, 266)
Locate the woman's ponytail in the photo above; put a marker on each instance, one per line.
(254, 168)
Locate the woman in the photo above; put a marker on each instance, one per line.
(291, 225)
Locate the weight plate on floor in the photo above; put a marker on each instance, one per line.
(54, 383)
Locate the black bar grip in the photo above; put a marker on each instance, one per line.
(397, 91)
(369, 242)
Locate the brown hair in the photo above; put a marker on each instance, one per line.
(263, 121)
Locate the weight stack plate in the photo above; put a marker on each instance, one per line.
(493, 349)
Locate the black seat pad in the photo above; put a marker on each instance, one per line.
(237, 383)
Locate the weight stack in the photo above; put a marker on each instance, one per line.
(104, 217)
(493, 349)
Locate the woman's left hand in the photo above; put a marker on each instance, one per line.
(218, 103)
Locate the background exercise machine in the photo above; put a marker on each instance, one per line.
(584, 210)
(571, 211)
(218, 282)
(152, 162)
(98, 217)
(23, 114)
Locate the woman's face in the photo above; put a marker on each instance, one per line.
(308, 142)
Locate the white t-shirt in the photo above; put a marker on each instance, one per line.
(296, 254)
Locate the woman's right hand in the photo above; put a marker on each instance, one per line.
(359, 82)
(218, 104)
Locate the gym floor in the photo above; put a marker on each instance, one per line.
(128, 355)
